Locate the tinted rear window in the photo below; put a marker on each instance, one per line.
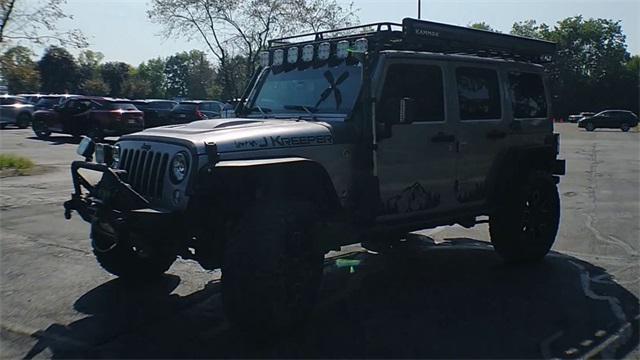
(186, 107)
(478, 93)
(121, 106)
(162, 105)
(527, 95)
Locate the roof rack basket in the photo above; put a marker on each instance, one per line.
(419, 35)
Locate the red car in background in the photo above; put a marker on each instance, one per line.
(96, 117)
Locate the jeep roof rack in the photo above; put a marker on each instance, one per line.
(420, 35)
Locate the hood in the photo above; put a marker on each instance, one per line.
(236, 134)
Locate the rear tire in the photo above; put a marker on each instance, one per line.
(525, 223)
(272, 268)
(40, 129)
(590, 126)
(120, 258)
(625, 127)
(23, 120)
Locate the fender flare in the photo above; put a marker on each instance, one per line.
(305, 166)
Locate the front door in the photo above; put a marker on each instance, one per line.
(415, 161)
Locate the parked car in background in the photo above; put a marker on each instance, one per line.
(610, 119)
(156, 111)
(15, 110)
(576, 118)
(95, 117)
(190, 110)
(32, 98)
(46, 102)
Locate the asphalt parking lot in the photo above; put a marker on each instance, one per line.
(446, 295)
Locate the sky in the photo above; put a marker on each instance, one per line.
(121, 30)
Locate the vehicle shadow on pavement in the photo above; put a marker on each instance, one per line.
(66, 139)
(454, 299)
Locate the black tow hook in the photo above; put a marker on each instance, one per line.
(67, 209)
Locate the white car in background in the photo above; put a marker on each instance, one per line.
(15, 110)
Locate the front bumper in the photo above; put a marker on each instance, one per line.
(112, 201)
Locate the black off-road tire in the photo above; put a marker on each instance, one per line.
(625, 127)
(23, 120)
(40, 129)
(272, 269)
(525, 223)
(95, 133)
(121, 259)
(590, 126)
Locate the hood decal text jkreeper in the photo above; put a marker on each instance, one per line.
(284, 141)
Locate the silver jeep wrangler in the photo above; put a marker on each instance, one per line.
(355, 135)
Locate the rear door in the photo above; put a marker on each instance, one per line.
(416, 164)
(481, 129)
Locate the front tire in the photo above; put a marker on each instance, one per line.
(272, 268)
(525, 223)
(625, 127)
(590, 126)
(40, 129)
(119, 257)
(23, 120)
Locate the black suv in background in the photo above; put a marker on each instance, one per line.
(191, 110)
(610, 119)
(156, 112)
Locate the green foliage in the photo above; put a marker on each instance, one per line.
(189, 75)
(152, 72)
(592, 70)
(115, 74)
(482, 26)
(95, 87)
(15, 162)
(58, 71)
(19, 70)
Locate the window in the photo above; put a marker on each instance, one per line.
(422, 83)
(527, 95)
(478, 94)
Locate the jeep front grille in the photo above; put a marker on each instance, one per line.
(145, 171)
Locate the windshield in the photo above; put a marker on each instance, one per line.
(47, 103)
(327, 89)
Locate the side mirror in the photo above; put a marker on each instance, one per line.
(407, 110)
(86, 148)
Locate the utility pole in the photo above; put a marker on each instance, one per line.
(419, 3)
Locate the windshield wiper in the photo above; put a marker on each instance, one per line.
(309, 109)
(263, 110)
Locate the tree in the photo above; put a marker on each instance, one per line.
(89, 79)
(589, 71)
(114, 74)
(529, 28)
(19, 70)
(152, 72)
(35, 21)
(230, 28)
(95, 87)
(58, 71)
(482, 26)
(189, 74)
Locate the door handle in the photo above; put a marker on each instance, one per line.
(443, 138)
(496, 134)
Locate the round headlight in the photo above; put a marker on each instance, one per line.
(179, 167)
